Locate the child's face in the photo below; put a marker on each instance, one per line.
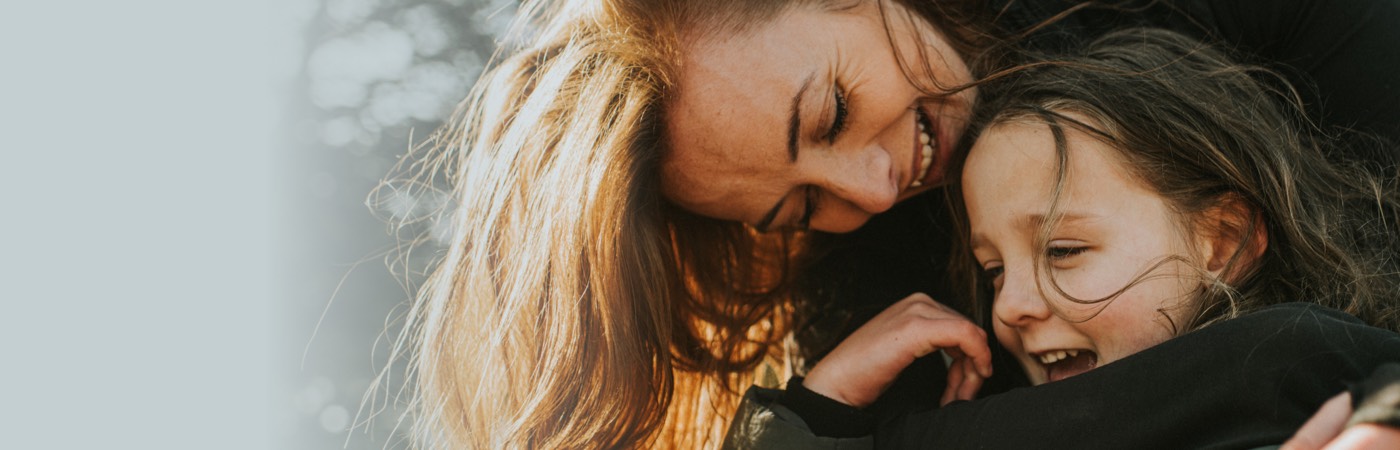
(1114, 229)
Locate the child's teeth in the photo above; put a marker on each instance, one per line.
(1057, 356)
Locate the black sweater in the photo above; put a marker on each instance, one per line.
(1238, 384)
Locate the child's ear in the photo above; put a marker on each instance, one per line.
(1233, 238)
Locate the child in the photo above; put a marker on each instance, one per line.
(1114, 203)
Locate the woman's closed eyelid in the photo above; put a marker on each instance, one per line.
(809, 207)
(839, 111)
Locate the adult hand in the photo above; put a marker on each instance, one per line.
(1325, 430)
(1366, 436)
(869, 360)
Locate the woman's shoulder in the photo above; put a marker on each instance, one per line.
(1295, 328)
(1300, 313)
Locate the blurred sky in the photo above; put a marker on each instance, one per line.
(188, 258)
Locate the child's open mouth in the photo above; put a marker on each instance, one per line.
(1061, 364)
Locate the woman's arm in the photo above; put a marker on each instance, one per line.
(824, 409)
(869, 360)
(1242, 383)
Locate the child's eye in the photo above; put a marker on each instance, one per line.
(995, 277)
(1062, 252)
(993, 273)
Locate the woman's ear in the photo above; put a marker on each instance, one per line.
(1233, 238)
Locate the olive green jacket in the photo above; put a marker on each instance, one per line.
(762, 423)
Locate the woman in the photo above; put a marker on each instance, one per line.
(609, 281)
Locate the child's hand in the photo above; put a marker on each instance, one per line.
(867, 362)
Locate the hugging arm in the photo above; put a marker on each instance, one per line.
(1247, 382)
(1242, 383)
(824, 410)
(869, 360)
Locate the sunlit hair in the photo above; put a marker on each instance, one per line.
(1202, 131)
(573, 306)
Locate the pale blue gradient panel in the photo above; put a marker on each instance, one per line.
(188, 258)
(137, 143)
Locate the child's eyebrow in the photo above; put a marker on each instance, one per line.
(1030, 222)
(1033, 221)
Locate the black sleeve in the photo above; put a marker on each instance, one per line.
(824, 416)
(1243, 383)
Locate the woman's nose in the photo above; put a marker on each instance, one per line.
(863, 178)
(1018, 302)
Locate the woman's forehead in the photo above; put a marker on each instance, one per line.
(729, 121)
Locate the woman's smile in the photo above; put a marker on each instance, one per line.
(925, 155)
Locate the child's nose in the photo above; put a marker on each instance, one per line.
(1018, 302)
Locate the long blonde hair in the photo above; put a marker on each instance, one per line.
(560, 314)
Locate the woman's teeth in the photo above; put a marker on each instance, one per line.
(927, 142)
(1055, 356)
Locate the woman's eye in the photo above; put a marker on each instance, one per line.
(838, 123)
(1058, 253)
(810, 208)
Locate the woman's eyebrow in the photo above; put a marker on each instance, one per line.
(794, 130)
(795, 122)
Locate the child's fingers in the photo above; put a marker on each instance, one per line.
(982, 368)
(859, 369)
(958, 334)
(956, 373)
(971, 382)
(963, 382)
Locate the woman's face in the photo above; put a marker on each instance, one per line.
(1114, 228)
(809, 120)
